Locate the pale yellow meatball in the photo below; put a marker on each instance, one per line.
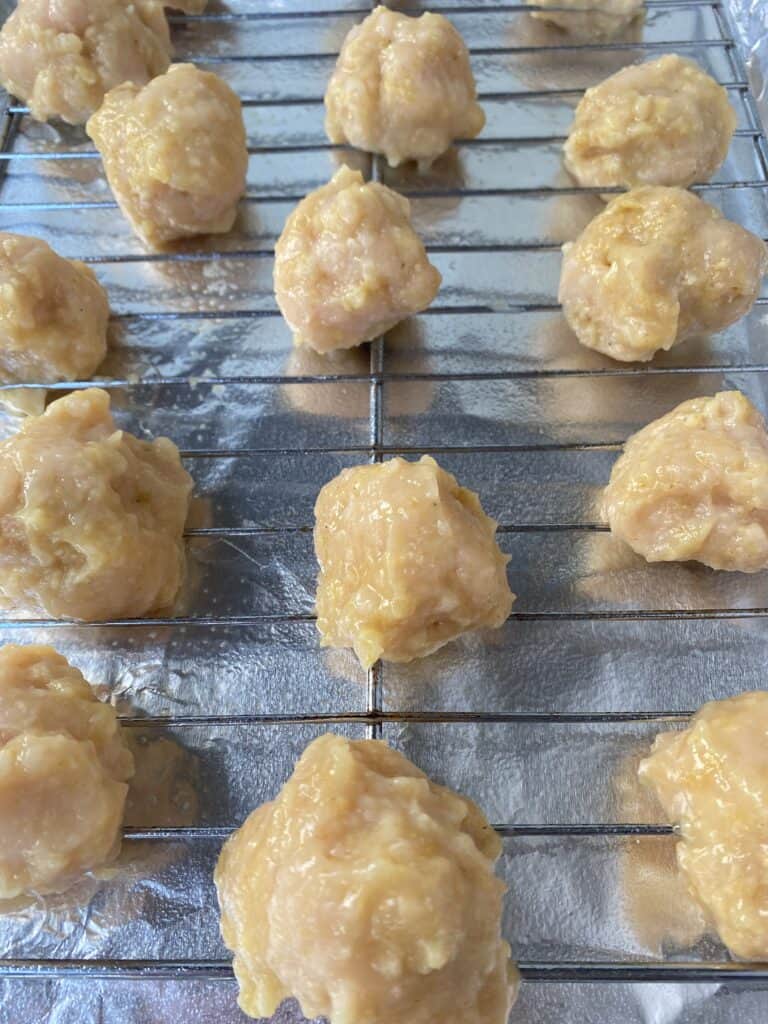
(53, 314)
(91, 518)
(367, 892)
(63, 772)
(174, 153)
(589, 19)
(665, 122)
(62, 56)
(403, 87)
(694, 485)
(712, 781)
(658, 266)
(408, 561)
(349, 266)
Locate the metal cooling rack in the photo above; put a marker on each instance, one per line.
(153, 295)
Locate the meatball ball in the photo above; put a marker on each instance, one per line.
(658, 266)
(349, 266)
(62, 56)
(694, 485)
(367, 892)
(665, 122)
(91, 518)
(590, 19)
(403, 87)
(63, 772)
(712, 781)
(53, 314)
(174, 153)
(408, 561)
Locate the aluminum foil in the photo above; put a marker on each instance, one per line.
(751, 20)
(577, 899)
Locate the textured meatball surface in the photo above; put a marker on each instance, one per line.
(63, 771)
(53, 314)
(174, 153)
(91, 518)
(665, 122)
(403, 87)
(657, 266)
(408, 561)
(712, 781)
(349, 266)
(694, 485)
(62, 56)
(367, 892)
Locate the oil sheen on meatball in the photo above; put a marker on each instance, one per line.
(367, 892)
(403, 87)
(91, 518)
(659, 265)
(174, 153)
(694, 485)
(62, 56)
(408, 561)
(349, 266)
(53, 314)
(665, 122)
(63, 773)
(590, 19)
(712, 781)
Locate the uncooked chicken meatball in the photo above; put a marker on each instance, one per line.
(63, 771)
(659, 265)
(62, 56)
(349, 266)
(174, 153)
(91, 518)
(403, 87)
(694, 485)
(712, 781)
(367, 892)
(589, 19)
(53, 314)
(408, 561)
(666, 122)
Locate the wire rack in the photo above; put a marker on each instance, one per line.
(488, 381)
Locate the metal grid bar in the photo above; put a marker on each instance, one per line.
(531, 970)
(502, 8)
(374, 716)
(737, 85)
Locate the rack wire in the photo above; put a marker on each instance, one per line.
(45, 203)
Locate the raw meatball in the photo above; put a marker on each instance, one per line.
(62, 56)
(174, 153)
(91, 518)
(712, 781)
(403, 87)
(658, 266)
(408, 561)
(367, 892)
(63, 773)
(661, 123)
(349, 266)
(590, 19)
(694, 485)
(53, 314)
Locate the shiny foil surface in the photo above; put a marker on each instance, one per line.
(542, 722)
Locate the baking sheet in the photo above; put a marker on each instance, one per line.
(260, 450)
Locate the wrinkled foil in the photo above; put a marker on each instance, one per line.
(751, 20)
(571, 898)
